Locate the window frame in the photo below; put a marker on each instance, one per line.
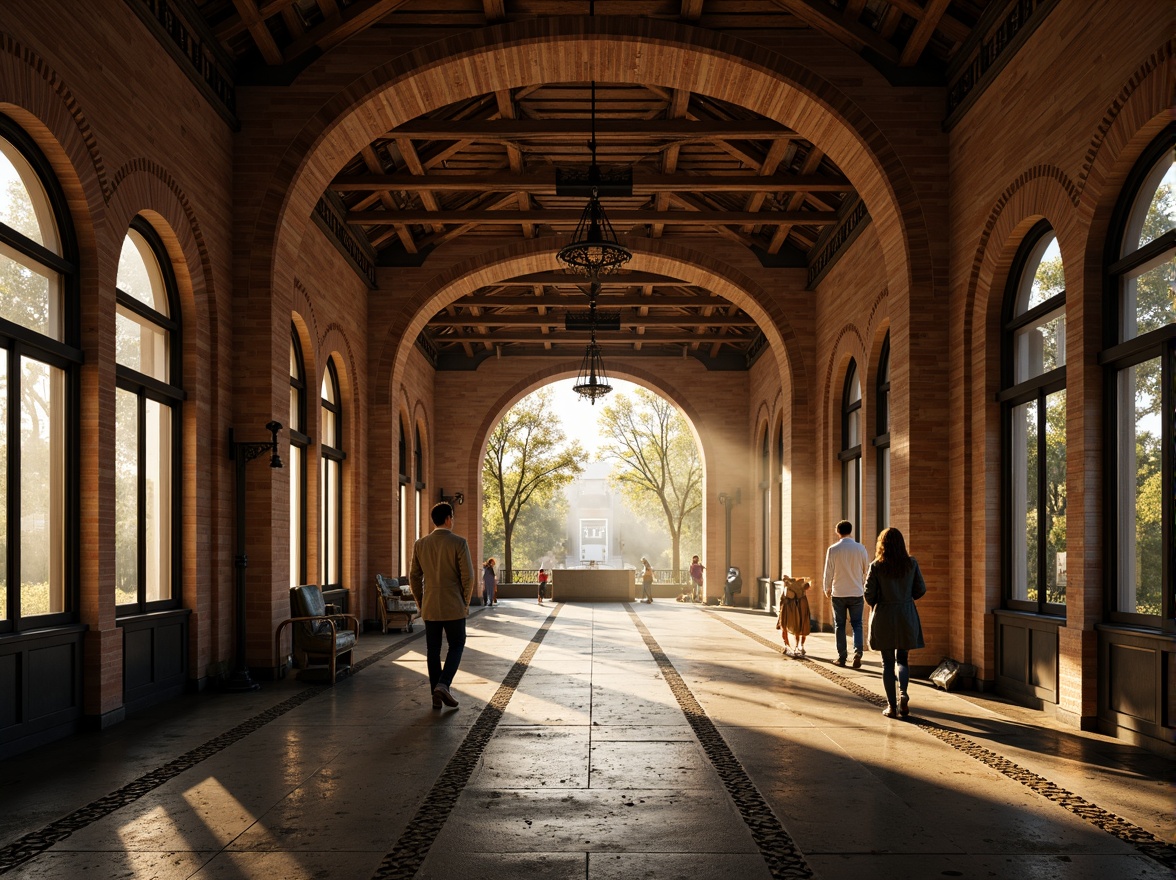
(331, 455)
(302, 442)
(1117, 356)
(850, 457)
(881, 440)
(17, 342)
(1034, 390)
(402, 482)
(171, 395)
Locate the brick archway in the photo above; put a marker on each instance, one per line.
(610, 48)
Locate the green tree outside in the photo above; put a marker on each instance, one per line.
(528, 462)
(656, 464)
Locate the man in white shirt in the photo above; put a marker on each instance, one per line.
(846, 564)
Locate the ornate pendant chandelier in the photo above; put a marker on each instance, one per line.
(592, 381)
(594, 249)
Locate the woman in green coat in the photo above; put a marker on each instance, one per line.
(893, 583)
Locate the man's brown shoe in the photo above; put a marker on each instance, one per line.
(857, 660)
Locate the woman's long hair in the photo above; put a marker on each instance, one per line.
(890, 556)
(489, 563)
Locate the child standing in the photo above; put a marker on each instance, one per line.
(542, 584)
(696, 570)
(795, 616)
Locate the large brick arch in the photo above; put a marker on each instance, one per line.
(537, 255)
(568, 49)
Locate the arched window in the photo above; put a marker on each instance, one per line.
(882, 436)
(39, 358)
(299, 443)
(851, 448)
(1140, 358)
(418, 455)
(1034, 411)
(403, 493)
(332, 457)
(147, 399)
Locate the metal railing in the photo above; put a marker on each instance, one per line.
(660, 575)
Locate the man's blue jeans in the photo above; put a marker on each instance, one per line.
(853, 605)
(455, 634)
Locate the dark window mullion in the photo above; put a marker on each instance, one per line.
(13, 497)
(143, 310)
(1168, 481)
(1042, 520)
(141, 504)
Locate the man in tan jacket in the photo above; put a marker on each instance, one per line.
(442, 582)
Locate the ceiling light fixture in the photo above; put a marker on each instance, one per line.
(594, 249)
(592, 381)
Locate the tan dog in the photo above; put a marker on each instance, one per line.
(795, 616)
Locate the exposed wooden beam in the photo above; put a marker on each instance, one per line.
(842, 29)
(495, 10)
(643, 182)
(334, 29)
(618, 218)
(952, 27)
(612, 130)
(372, 161)
(613, 279)
(923, 32)
(605, 301)
(631, 319)
(258, 30)
(811, 163)
(624, 336)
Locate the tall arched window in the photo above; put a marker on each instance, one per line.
(331, 457)
(402, 492)
(147, 403)
(1034, 406)
(39, 358)
(418, 455)
(1140, 358)
(882, 435)
(299, 442)
(851, 449)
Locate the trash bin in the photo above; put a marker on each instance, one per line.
(734, 585)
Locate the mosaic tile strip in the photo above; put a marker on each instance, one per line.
(408, 853)
(36, 842)
(780, 853)
(1142, 839)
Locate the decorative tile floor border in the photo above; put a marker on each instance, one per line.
(409, 851)
(779, 851)
(1142, 839)
(31, 845)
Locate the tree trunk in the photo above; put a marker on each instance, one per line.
(507, 564)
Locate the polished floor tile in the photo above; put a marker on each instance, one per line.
(726, 759)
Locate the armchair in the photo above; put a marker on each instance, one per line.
(317, 637)
(396, 609)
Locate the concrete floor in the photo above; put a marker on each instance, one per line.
(661, 741)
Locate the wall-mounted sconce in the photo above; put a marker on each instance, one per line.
(728, 499)
(455, 499)
(242, 453)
